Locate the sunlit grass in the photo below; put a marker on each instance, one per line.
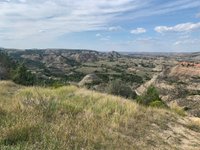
(73, 118)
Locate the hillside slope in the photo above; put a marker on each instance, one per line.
(73, 118)
(178, 84)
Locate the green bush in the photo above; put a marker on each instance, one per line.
(117, 87)
(151, 98)
(157, 103)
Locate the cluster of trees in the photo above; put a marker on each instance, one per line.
(16, 71)
(22, 76)
(5, 65)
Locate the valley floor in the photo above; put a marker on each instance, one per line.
(73, 118)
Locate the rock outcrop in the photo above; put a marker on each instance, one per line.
(90, 79)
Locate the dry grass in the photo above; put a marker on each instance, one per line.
(177, 109)
(194, 124)
(73, 118)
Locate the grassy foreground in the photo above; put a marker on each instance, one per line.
(73, 118)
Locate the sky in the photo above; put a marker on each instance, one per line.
(103, 25)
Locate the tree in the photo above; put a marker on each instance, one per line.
(6, 66)
(151, 98)
(23, 76)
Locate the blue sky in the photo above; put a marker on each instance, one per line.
(104, 25)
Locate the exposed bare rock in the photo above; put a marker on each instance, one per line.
(90, 79)
(189, 71)
(114, 54)
(158, 68)
(85, 57)
(143, 88)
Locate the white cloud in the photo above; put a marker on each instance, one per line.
(22, 1)
(42, 31)
(185, 27)
(27, 20)
(177, 42)
(114, 28)
(106, 38)
(98, 35)
(23, 19)
(103, 37)
(187, 42)
(165, 7)
(138, 31)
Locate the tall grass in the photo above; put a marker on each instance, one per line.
(73, 118)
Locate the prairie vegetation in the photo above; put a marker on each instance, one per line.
(72, 118)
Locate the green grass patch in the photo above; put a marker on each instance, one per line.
(22, 134)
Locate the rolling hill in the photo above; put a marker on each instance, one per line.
(74, 118)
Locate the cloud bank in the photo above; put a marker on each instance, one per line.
(24, 23)
(27, 18)
(185, 27)
(22, 19)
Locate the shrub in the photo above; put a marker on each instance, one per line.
(157, 103)
(117, 87)
(151, 98)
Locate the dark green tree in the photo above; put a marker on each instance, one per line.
(7, 64)
(22, 76)
(151, 98)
